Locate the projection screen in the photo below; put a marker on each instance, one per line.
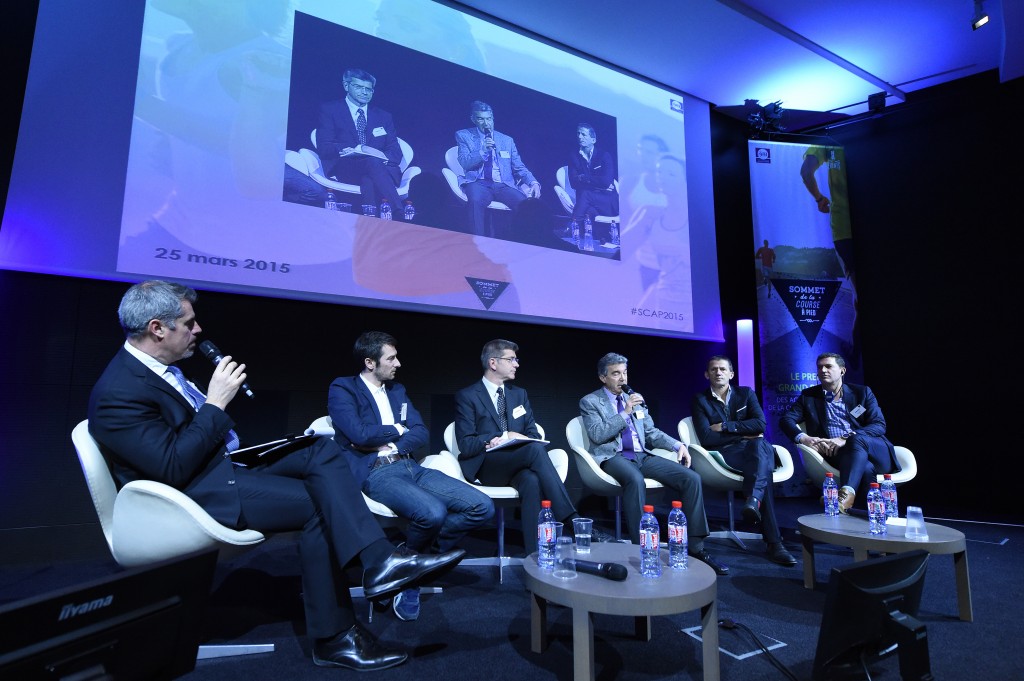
(176, 139)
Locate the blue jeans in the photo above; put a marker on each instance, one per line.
(439, 508)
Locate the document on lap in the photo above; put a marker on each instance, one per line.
(516, 441)
(362, 149)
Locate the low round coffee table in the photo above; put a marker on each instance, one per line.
(852, 531)
(674, 592)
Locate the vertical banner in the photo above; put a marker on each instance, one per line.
(803, 257)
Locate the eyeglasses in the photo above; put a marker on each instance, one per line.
(363, 88)
(514, 360)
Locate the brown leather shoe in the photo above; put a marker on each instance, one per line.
(846, 499)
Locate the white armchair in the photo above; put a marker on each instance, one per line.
(147, 521)
(717, 474)
(308, 162)
(567, 195)
(595, 479)
(816, 466)
(447, 461)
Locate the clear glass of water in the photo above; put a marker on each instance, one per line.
(582, 528)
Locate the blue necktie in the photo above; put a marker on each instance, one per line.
(197, 399)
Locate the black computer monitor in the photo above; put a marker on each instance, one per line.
(140, 624)
(870, 610)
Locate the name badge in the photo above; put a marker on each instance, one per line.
(379, 131)
(504, 154)
(403, 410)
(639, 414)
(519, 412)
(857, 411)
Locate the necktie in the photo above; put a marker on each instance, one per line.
(361, 126)
(502, 407)
(630, 442)
(197, 399)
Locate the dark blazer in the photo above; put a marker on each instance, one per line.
(742, 417)
(336, 130)
(476, 422)
(146, 429)
(357, 422)
(594, 175)
(809, 408)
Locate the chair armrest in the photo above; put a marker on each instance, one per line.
(560, 460)
(407, 175)
(453, 182)
(153, 522)
(567, 203)
(785, 469)
(378, 508)
(815, 465)
(446, 462)
(713, 470)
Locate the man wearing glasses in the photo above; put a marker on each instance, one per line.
(358, 143)
(491, 411)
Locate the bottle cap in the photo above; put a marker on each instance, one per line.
(545, 504)
(677, 504)
(874, 484)
(829, 475)
(647, 508)
(888, 476)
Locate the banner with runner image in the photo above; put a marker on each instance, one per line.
(804, 272)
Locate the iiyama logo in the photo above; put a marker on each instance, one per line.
(71, 610)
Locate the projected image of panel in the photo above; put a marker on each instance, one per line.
(194, 159)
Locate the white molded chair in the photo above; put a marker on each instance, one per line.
(595, 479)
(816, 466)
(717, 474)
(308, 162)
(148, 521)
(567, 195)
(454, 174)
(447, 461)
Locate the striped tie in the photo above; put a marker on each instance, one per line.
(197, 399)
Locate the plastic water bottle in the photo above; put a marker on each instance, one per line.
(614, 230)
(588, 234)
(677, 539)
(410, 211)
(546, 536)
(830, 490)
(574, 229)
(330, 203)
(650, 543)
(876, 510)
(892, 509)
(385, 210)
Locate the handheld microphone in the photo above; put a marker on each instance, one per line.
(629, 391)
(612, 571)
(213, 353)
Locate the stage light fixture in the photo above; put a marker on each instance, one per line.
(980, 16)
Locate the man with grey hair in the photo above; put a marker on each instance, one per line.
(623, 435)
(152, 423)
(494, 170)
(358, 143)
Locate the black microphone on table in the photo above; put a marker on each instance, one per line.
(629, 391)
(213, 353)
(612, 571)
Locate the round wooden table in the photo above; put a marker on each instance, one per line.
(852, 531)
(674, 592)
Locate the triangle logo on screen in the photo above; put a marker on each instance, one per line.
(487, 290)
(808, 301)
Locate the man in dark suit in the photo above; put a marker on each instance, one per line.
(624, 437)
(591, 172)
(494, 170)
(843, 423)
(730, 421)
(152, 423)
(347, 128)
(490, 412)
(379, 429)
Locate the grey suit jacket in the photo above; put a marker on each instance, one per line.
(604, 425)
(513, 170)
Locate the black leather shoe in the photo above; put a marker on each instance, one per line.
(705, 557)
(356, 649)
(777, 553)
(405, 569)
(752, 510)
